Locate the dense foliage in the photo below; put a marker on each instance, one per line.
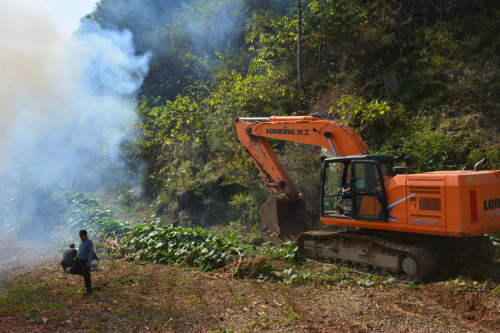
(148, 240)
(412, 77)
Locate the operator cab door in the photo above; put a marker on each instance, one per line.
(368, 191)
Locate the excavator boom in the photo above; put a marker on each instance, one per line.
(285, 213)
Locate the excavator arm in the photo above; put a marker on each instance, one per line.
(285, 213)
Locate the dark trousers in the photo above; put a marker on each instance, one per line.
(66, 264)
(80, 268)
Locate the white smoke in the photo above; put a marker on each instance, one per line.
(66, 105)
(63, 104)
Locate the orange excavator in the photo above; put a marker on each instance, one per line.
(400, 223)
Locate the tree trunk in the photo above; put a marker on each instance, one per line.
(299, 42)
(319, 56)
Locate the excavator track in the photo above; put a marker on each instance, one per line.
(369, 254)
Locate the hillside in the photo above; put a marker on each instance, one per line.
(413, 77)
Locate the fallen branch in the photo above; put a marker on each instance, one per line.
(239, 261)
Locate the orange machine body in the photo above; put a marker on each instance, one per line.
(447, 203)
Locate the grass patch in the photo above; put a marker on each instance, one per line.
(22, 293)
(127, 280)
(21, 298)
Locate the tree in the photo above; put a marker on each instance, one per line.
(299, 51)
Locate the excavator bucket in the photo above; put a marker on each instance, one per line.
(286, 217)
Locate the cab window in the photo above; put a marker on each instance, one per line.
(367, 177)
(337, 194)
(386, 171)
(333, 178)
(367, 191)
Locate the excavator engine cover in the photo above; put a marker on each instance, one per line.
(285, 216)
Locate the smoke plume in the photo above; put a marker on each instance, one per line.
(65, 105)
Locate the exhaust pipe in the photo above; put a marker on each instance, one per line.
(479, 165)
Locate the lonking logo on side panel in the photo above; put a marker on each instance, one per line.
(287, 131)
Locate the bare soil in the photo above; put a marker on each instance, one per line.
(142, 297)
(17, 256)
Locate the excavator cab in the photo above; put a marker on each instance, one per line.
(353, 187)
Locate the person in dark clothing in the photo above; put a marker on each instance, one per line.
(83, 260)
(69, 257)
